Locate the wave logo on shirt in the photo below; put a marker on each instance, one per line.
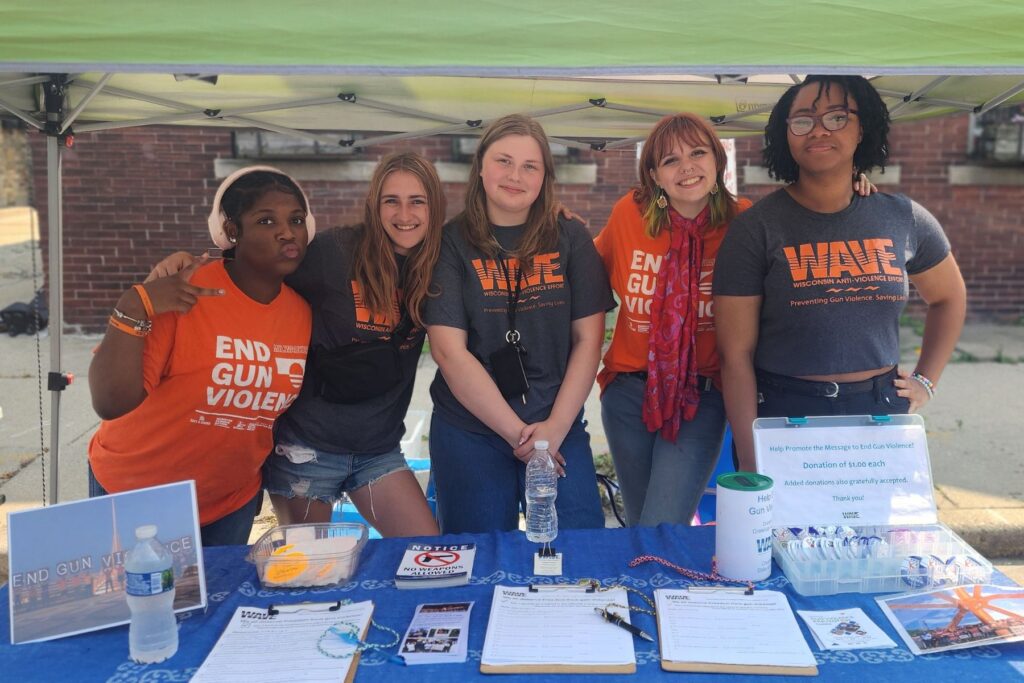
(816, 261)
(367, 320)
(547, 270)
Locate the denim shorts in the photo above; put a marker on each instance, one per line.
(323, 475)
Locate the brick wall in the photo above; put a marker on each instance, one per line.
(134, 195)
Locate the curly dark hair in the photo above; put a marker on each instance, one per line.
(873, 150)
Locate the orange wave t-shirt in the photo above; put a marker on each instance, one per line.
(632, 260)
(216, 378)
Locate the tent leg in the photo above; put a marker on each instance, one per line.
(56, 277)
(54, 95)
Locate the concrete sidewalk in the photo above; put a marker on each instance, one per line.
(973, 432)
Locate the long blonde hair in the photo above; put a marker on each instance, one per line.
(541, 230)
(376, 269)
(694, 131)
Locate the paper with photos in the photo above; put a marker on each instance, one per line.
(438, 633)
(845, 629)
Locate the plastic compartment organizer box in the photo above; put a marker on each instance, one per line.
(917, 557)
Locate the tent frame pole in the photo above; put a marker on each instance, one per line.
(54, 95)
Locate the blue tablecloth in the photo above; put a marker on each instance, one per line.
(502, 558)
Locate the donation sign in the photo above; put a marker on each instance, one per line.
(846, 470)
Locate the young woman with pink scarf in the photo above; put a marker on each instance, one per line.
(661, 400)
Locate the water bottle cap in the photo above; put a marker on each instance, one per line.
(540, 445)
(145, 531)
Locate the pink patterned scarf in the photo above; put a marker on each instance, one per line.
(671, 393)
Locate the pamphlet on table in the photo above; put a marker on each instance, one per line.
(845, 629)
(435, 566)
(438, 634)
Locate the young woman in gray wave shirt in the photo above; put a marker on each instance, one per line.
(810, 283)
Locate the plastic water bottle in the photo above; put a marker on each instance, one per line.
(153, 633)
(541, 491)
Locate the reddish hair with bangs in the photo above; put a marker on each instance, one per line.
(694, 131)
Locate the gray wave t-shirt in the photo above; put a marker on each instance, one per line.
(567, 284)
(372, 426)
(834, 285)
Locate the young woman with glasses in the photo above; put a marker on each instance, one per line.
(810, 283)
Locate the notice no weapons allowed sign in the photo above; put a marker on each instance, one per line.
(428, 565)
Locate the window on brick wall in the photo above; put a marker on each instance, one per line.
(261, 144)
(997, 136)
(463, 148)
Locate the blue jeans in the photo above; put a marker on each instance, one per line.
(231, 529)
(481, 485)
(660, 481)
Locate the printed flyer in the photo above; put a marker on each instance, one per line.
(957, 617)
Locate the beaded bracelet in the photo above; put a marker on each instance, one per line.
(928, 385)
(147, 303)
(348, 633)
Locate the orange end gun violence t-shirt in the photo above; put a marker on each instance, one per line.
(632, 260)
(216, 379)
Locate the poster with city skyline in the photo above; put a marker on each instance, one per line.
(67, 561)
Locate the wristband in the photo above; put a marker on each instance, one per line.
(144, 327)
(127, 329)
(146, 302)
(928, 385)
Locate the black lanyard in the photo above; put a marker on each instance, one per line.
(512, 337)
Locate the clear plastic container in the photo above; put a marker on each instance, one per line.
(913, 557)
(306, 555)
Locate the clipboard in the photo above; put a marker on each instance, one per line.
(558, 631)
(715, 643)
(272, 643)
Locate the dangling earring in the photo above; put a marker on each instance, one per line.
(714, 190)
(232, 239)
(661, 201)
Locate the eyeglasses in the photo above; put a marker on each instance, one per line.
(831, 121)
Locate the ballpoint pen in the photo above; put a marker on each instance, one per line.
(613, 618)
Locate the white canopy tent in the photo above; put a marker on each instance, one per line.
(596, 73)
